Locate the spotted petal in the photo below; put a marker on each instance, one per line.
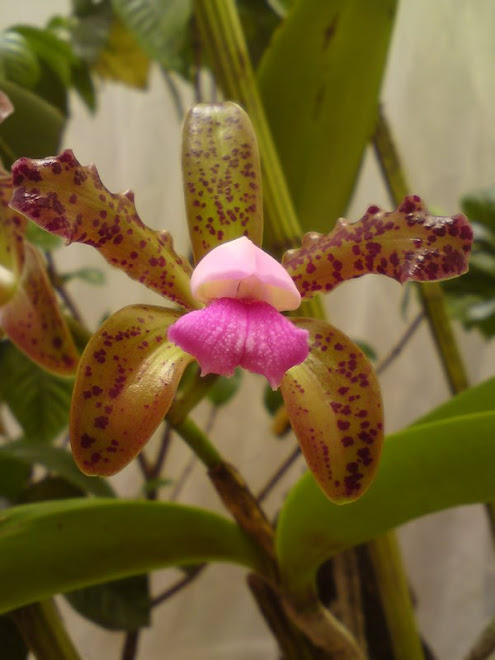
(12, 229)
(230, 333)
(33, 322)
(222, 177)
(126, 382)
(334, 405)
(69, 200)
(405, 244)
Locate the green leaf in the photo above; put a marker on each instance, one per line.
(473, 400)
(14, 476)
(272, 399)
(52, 51)
(423, 469)
(92, 276)
(225, 388)
(34, 129)
(54, 547)
(56, 460)
(49, 488)
(118, 605)
(17, 61)
(160, 27)
(471, 299)
(42, 238)
(320, 81)
(39, 400)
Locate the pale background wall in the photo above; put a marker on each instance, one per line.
(440, 96)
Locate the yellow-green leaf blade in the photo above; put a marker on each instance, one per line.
(423, 469)
(53, 547)
(320, 80)
(222, 178)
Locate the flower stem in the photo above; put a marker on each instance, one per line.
(43, 631)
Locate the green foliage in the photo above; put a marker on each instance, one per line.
(34, 129)
(471, 298)
(14, 476)
(225, 389)
(319, 81)
(107, 539)
(39, 400)
(425, 468)
(92, 276)
(118, 605)
(42, 238)
(57, 461)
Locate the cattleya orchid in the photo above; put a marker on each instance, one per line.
(29, 312)
(132, 366)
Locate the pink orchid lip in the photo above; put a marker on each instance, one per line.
(239, 269)
(229, 333)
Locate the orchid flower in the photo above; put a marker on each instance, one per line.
(231, 308)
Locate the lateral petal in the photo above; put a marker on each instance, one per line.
(222, 176)
(69, 200)
(33, 321)
(126, 382)
(12, 229)
(334, 405)
(405, 244)
(230, 333)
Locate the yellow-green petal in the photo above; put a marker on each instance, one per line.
(334, 405)
(222, 177)
(125, 384)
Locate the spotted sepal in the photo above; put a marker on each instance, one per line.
(334, 405)
(69, 200)
(405, 244)
(222, 177)
(126, 382)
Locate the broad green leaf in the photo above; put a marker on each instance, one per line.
(480, 398)
(334, 405)
(320, 81)
(39, 400)
(72, 202)
(127, 380)
(222, 177)
(160, 27)
(423, 469)
(49, 488)
(34, 128)
(118, 605)
(57, 461)
(405, 244)
(14, 476)
(225, 388)
(18, 63)
(122, 59)
(258, 19)
(54, 547)
(472, 298)
(89, 28)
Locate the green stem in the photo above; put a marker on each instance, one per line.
(198, 441)
(43, 631)
(393, 590)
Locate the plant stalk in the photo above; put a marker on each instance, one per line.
(43, 631)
